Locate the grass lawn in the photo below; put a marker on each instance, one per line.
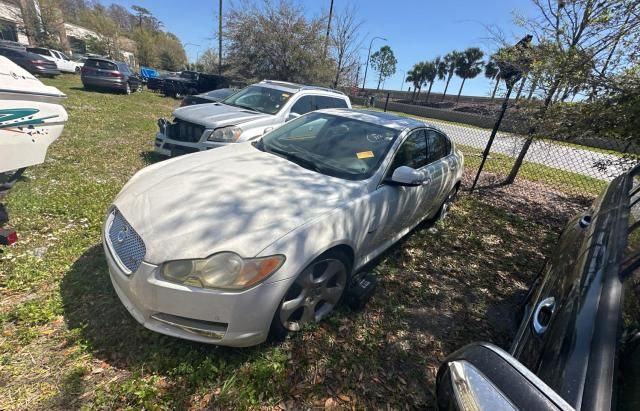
(67, 342)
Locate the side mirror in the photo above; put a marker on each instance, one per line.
(292, 116)
(482, 376)
(406, 176)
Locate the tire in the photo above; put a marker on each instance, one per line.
(77, 70)
(127, 89)
(311, 298)
(446, 204)
(140, 87)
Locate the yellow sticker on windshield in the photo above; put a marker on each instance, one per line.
(364, 154)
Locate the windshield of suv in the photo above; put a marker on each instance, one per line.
(257, 98)
(337, 146)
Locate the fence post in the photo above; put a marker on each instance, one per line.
(496, 126)
(386, 102)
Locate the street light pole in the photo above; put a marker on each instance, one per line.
(220, 39)
(404, 73)
(197, 50)
(364, 82)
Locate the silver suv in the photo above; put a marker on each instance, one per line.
(243, 116)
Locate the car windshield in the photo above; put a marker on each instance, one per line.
(257, 98)
(191, 75)
(338, 146)
(220, 93)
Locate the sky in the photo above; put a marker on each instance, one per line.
(415, 30)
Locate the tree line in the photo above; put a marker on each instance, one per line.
(115, 24)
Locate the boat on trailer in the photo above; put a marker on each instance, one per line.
(31, 118)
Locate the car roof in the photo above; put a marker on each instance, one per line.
(379, 118)
(295, 87)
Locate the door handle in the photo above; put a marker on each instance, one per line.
(426, 181)
(542, 315)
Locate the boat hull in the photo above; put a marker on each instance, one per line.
(31, 117)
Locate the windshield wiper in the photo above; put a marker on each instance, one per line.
(296, 158)
(244, 107)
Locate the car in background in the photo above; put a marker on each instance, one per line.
(33, 63)
(103, 73)
(192, 82)
(231, 245)
(578, 345)
(208, 97)
(148, 73)
(243, 116)
(64, 63)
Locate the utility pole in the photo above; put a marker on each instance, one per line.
(364, 82)
(220, 38)
(326, 40)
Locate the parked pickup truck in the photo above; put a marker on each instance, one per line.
(192, 82)
(243, 116)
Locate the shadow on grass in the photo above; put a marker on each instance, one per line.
(151, 157)
(112, 335)
(438, 290)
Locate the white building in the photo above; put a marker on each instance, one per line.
(12, 29)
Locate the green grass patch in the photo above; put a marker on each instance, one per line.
(566, 181)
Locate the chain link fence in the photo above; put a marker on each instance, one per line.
(582, 168)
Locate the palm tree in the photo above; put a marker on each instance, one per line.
(469, 66)
(414, 77)
(492, 72)
(429, 74)
(450, 63)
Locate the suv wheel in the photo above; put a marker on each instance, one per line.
(127, 89)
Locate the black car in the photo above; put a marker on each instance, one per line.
(208, 97)
(103, 73)
(578, 346)
(33, 63)
(192, 82)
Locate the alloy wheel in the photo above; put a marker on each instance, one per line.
(314, 294)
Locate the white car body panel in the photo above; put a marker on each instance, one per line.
(197, 205)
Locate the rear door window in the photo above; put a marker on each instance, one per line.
(304, 105)
(329, 102)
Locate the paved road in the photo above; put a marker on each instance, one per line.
(558, 156)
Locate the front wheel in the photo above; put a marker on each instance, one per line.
(127, 89)
(313, 295)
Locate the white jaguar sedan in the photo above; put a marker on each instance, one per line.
(233, 245)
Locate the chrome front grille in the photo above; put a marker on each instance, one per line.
(185, 131)
(125, 244)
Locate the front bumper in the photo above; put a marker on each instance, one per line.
(231, 318)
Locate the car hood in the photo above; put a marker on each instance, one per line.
(216, 114)
(234, 198)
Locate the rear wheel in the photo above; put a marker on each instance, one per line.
(313, 295)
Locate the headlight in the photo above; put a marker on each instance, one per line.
(223, 270)
(229, 134)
